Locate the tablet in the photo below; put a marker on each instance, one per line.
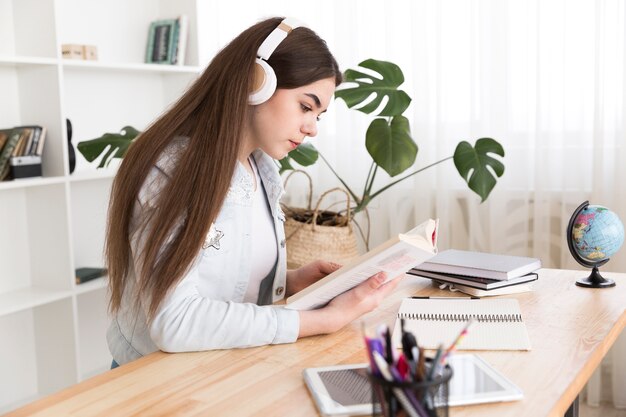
(345, 389)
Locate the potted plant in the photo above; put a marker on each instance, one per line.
(389, 142)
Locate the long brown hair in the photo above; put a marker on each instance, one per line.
(212, 113)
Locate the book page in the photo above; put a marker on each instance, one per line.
(498, 323)
(395, 257)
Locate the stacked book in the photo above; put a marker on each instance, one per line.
(21, 148)
(480, 274)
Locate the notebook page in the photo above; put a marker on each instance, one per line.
(498, 323)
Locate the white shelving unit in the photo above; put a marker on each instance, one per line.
(52, 331)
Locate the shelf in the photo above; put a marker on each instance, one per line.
(30, 182)
(151, 68)
(14, 61)
(98, 174)
(14, 301)
(93, 285)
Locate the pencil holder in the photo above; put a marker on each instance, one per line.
(413, 399)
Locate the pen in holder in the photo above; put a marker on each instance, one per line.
(424, 398)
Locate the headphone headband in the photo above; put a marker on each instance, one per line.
(274, 39)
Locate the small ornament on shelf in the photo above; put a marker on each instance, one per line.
(80, 52)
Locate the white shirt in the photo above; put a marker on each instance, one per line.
(264, 249)
(205, 310)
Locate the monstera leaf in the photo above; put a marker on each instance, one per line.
(472, 163)
(391, 78)
(391, 145)
(113, 145)
(305, 155)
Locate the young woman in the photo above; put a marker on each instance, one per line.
(195, 244)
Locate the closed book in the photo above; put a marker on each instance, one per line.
(33, 140)
(41, 141)
(476, 282)
(477, 292)
(481, 265)
(7, 150)
(161, 41)
(181, 44)
(4, 136)
(87, 274)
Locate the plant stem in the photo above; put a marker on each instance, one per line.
(371, 184)
(354, 196)
(368, 189)
(410, 175)
(368, 177)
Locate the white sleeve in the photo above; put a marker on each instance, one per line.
(186, 321)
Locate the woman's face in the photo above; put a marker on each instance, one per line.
(280, 124)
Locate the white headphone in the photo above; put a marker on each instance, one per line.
(264, 76)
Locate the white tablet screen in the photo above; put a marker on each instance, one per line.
(475, 381)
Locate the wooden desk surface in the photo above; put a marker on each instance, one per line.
(571, 329)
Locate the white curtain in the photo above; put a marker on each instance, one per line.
(545, 78)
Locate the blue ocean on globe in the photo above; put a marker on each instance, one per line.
(597, 234)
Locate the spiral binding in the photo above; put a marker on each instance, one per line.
(489, 318)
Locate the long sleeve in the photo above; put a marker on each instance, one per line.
(187, 321)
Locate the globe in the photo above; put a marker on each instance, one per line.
(594, 234)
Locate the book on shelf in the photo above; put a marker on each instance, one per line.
(23, 141)
(41, 140)
(180, 49)
(87, 274)
(395, 257)
(476, 282)
(20, 155)
(5, 155)
(478, 292)
(162, 40)
(4, 136)
(480, 264)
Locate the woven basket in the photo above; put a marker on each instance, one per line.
(309, 241)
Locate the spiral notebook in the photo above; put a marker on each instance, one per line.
(498, 323)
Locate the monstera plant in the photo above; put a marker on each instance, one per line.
(388, 138)
(112, 145)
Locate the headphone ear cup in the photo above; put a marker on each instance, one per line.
(264, 83)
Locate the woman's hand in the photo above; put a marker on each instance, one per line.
(348, 306)
(299, 279)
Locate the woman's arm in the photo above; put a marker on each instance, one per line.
(344, 308)
(347, 307)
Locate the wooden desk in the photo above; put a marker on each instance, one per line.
(571, 330)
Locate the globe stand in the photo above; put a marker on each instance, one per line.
(595, 280)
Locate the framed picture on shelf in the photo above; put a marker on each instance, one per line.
(162, 41)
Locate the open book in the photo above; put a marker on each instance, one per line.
(395, 257)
